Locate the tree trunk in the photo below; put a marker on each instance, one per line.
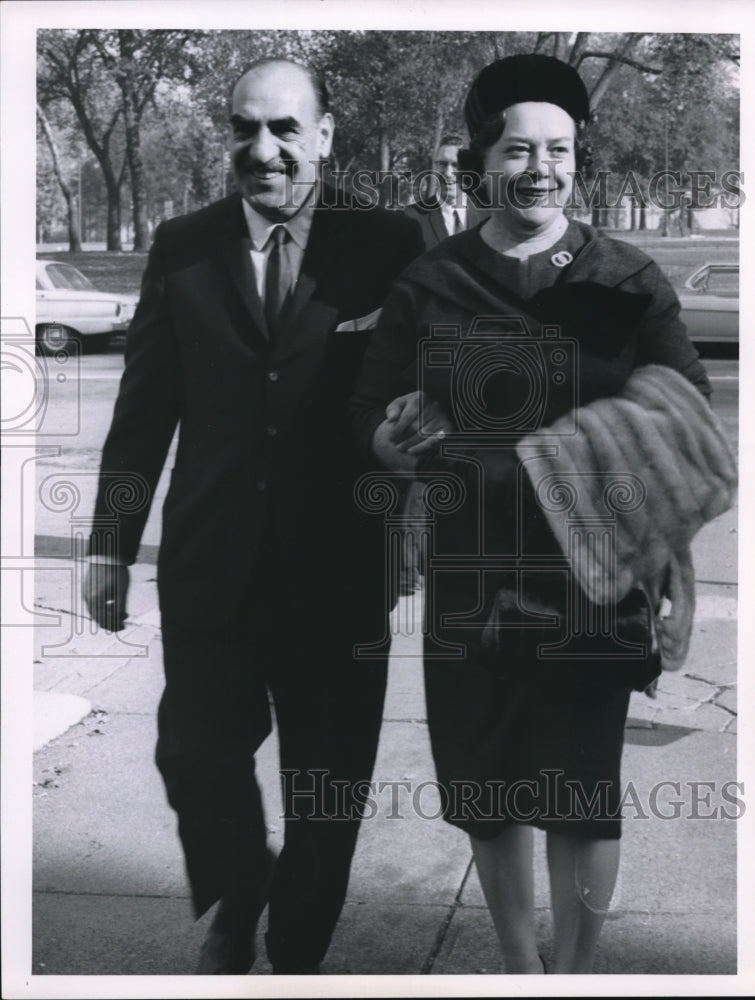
(683, 219)
(385, 164)
(136, 173)
(74, 234)
(102, 151)
(579, 46)
(113, 189)
(440, 123)
(385, 150)
(560, 41)
(133, 147)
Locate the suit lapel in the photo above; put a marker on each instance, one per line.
(235, 247)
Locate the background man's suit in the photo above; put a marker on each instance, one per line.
(268, 574)
(432, 226)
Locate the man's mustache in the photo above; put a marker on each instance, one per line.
(278, 165)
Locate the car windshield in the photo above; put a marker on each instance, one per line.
(66, 276)
(719, 281)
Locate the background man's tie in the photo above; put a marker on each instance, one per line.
(458, 225)
(277, 280)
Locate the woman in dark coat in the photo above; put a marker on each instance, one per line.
(504, 329)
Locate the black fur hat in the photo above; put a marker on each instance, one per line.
(516, 79)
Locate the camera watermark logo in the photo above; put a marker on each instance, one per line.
(410, 503)
(501, 382)
(500, 377)
(32, 383)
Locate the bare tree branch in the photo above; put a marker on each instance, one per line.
(578, 48)
(619, 59)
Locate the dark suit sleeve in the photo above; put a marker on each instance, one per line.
(380, 378)
(412, 244)
(391, 353)
(144, 419)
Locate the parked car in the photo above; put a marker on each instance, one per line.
(710, 304)
(71, 310)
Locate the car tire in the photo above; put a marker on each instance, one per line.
(52, 338)
(98, 342)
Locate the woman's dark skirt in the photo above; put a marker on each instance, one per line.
(524, 730)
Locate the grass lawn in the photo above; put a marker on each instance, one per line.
(677, 256)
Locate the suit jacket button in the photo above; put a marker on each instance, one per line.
(261, 485)
(272, 431)
(272, 376)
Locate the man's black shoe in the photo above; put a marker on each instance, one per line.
(227, 952)
(228, 949)
(296, 970)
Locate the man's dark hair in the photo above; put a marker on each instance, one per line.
(451, 140)
(318, 83)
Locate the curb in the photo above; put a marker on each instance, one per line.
(54, 714)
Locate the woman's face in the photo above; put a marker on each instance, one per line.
(531, 165)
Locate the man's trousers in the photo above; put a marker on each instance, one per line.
(296, 657)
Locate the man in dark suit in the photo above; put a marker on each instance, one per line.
(253, 319)
(448, 210)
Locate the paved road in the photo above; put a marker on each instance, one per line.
(83, 399)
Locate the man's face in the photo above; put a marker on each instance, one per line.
(446, 163)
(278, 138)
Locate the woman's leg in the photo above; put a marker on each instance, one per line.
(505, 869)
(582, 875)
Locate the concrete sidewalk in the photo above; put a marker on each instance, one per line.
(110, 896)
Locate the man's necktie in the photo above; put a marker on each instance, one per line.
(458, 224)
(277, 280)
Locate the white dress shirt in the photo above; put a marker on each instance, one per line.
(260, 228)
(447, 211)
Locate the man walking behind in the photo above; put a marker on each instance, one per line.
(449, 210)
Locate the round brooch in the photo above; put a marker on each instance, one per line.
(561, 259)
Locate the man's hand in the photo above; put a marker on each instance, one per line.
(104, 591)
(386, 451)
(409, 435)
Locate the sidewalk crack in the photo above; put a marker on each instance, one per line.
(59, 611)
(440, 937)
